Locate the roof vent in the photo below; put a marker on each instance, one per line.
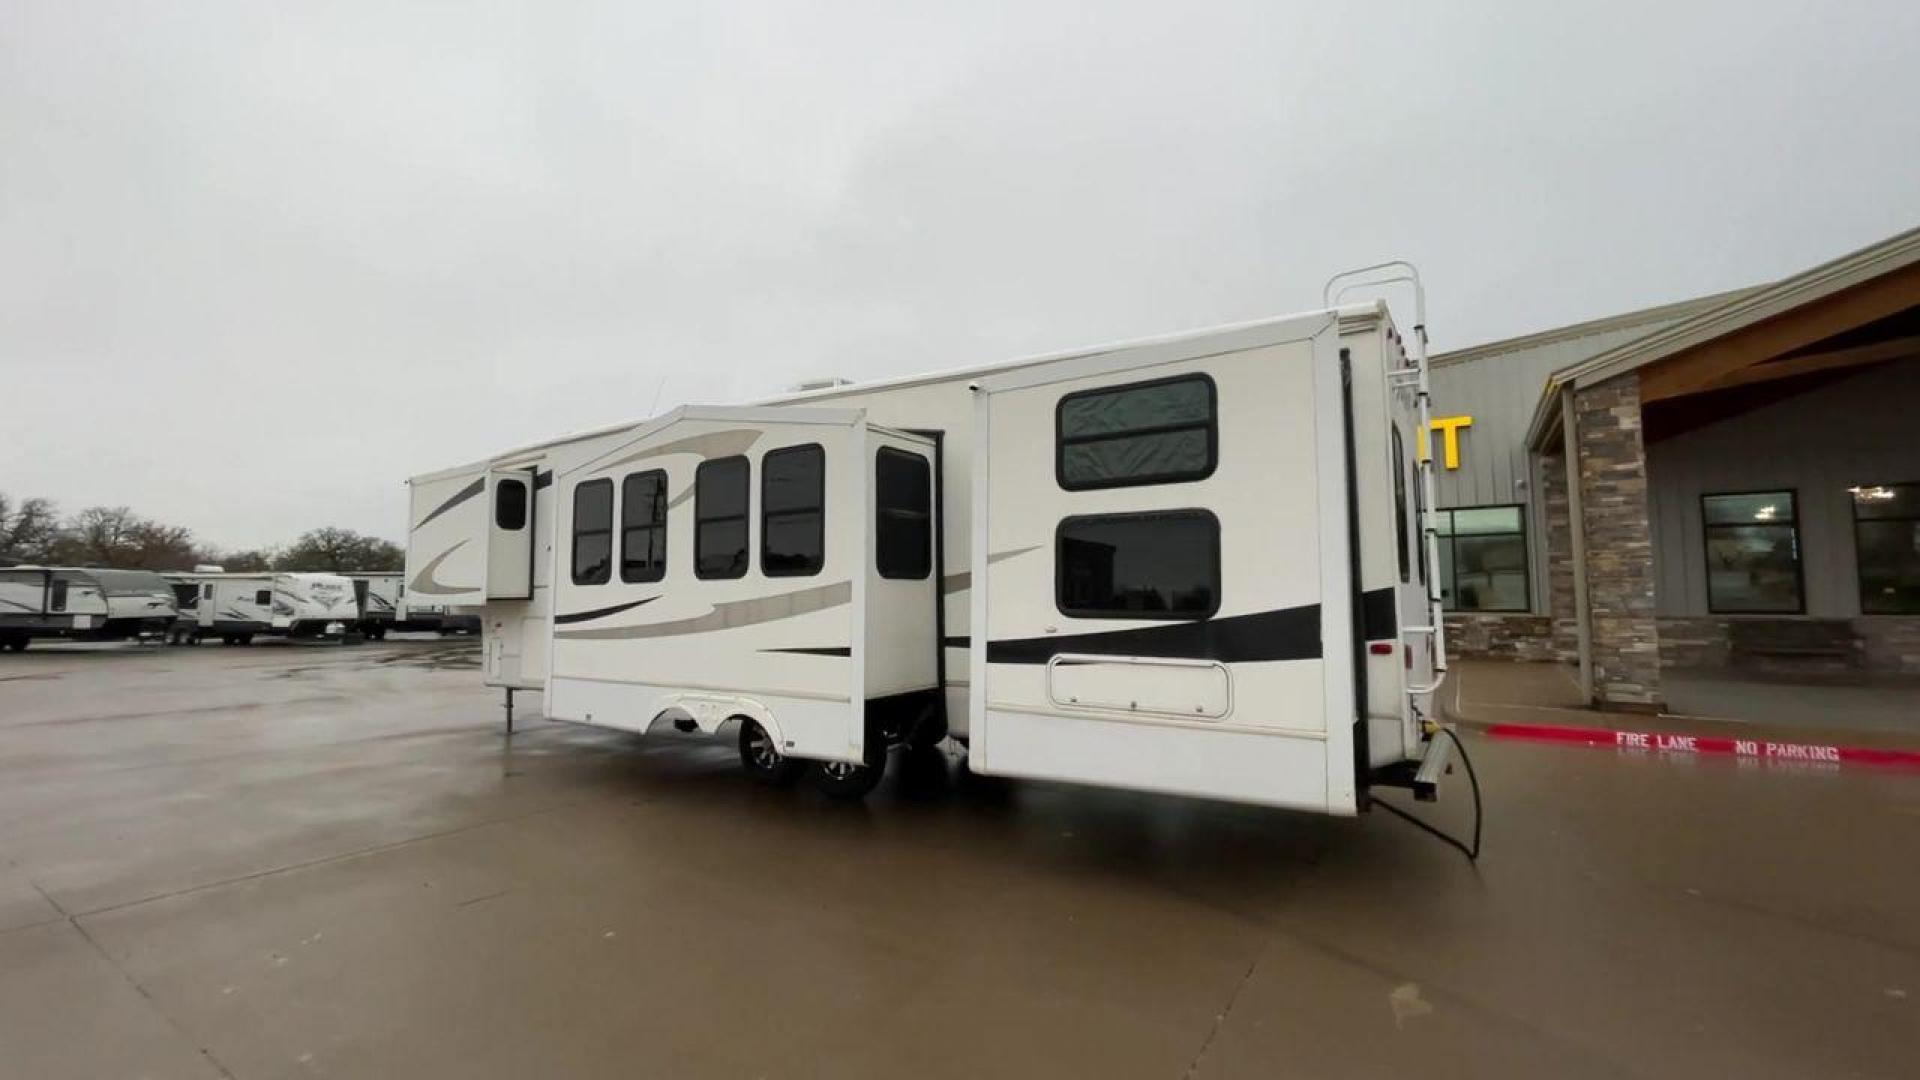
(827, 383)
(209, 568)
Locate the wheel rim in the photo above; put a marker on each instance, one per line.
(839, 770)
(760, 748)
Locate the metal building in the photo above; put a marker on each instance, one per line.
(1726, 481)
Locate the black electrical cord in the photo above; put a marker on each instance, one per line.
(1472, 853)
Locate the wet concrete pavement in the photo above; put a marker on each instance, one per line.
(299, 861)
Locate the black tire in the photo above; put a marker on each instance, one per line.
(845, 780)
(228, 639)
(244, 639)
(19, 644)
(762, 759)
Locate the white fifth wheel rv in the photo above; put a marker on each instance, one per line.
(238, 607)
(82, 604)
(1191, 565)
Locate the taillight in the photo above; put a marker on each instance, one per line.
(1381, 648)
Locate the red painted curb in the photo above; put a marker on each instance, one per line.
(1676, 743)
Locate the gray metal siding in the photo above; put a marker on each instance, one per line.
(1500, 392)
(1852, 432)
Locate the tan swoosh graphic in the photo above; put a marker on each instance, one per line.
(728, 615)
(424, 582)
(954, 583)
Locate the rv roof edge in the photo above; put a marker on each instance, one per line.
(1362, 311)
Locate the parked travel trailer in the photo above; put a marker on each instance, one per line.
(81, 604)
(238, 607)
(379, 596)
(1191, 565)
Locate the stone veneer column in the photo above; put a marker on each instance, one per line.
(1613, 493)
(1558, 527)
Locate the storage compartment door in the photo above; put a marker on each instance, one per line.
(510, 534)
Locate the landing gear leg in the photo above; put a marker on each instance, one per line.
(509, 710)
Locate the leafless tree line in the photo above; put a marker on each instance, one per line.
(32, 530)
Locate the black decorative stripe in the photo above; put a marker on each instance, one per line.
(542, 479)
(479, 484)
(1378, 615)
(1287, 634)
(961, 641)
(823, 650)
(586, 616)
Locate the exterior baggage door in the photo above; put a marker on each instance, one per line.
(510, 534)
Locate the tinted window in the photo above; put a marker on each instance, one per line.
(1146, 433)
(793, 496)
(57, 599)
(1753, 552)
(903, 522)
(184, 594)
(206, 592)
(1163, 565)
(1886, 527)
(643, 526)
(593, 532)
(510, 505)
(720, 518)
(263, 597)
(1483, 558)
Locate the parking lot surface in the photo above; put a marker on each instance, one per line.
(314, 860)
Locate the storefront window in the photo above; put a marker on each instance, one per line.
(1886, 534)
(1753, 552)
(1483, 558)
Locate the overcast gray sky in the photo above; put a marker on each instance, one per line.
(259, 262)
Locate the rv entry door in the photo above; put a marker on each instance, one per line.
(510, 534)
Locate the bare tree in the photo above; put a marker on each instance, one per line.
(115, 536)
(340, 549)
(27, 531)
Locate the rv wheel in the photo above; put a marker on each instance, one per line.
(762, 759)
(929, 729)
(18, 644)
(244, 639)
(845, 780)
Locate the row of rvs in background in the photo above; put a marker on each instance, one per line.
(84, 604)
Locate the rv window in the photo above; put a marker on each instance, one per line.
(1161, 565)
(1148, 433)
(593, 532)
(793, 507)
(1400, 497)
(206, 592)
(263, 597)
(720, 494)
(57, 597)
(510, 505)
(184, 594)
(643, 526)
(903, 501)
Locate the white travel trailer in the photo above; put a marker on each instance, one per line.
(1191, 565)
(82, 604)
(380, 598)
(237, 607)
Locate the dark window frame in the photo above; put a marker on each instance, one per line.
(1061, 440)
(745, 517)
(1451, 538)
(1400, 502)
(660, 525)
(925, 464)
(575, 532)
(263, 598)
(500, 507)
(1799, 550)
(819, 508)
(1860, 581)
(1060, 577)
